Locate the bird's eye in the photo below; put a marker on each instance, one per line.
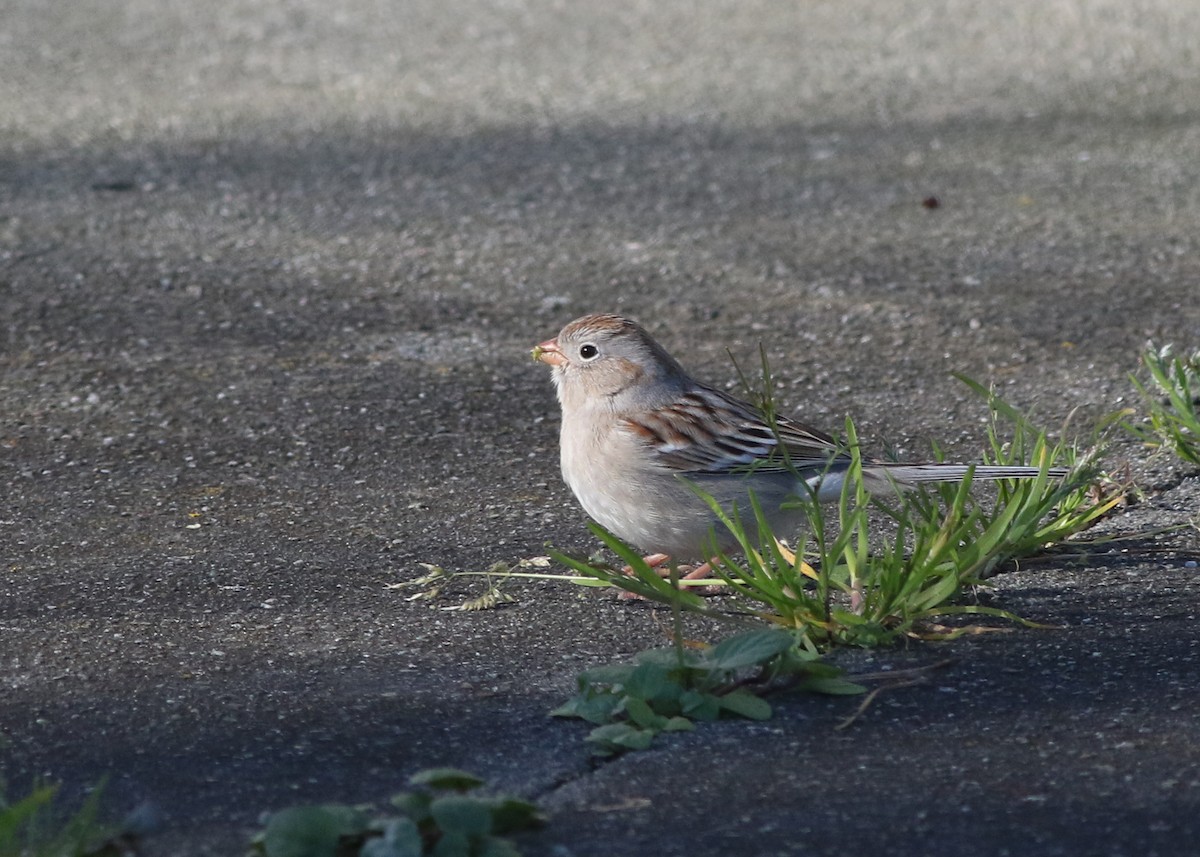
(587, 351)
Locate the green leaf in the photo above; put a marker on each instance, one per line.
(446, 778)
(745, 704)
(452, 844)
(650, 681)
(596, 710)
(594, 582)
(617, 737)
(832, 686)
(642, 714)
(678, 724)
(415, 805)
(310, 831)
(700, 706)
(749, 648)
(510, 815)
(467, 815)
(400, 838)
(570, 708)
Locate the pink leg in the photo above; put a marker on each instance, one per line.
(697, 573)
(654, 560)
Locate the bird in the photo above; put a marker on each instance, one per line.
(639, 436)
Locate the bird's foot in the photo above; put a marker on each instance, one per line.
(656, 561)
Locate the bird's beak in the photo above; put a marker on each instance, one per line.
(549, 353)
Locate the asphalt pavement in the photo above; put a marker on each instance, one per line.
(269, 277)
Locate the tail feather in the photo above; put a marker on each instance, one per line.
(915, 474)
(883, 478)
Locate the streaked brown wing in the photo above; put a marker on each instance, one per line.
(680, 435)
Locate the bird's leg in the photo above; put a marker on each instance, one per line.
(654, 560)
(706, 569)
(699, 573)
(702, 570)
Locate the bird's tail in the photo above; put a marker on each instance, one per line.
(886, 478)
(906, 475)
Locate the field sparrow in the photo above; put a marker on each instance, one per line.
(636, 429)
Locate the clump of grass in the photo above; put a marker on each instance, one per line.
(1068, 496)
(34, 827)
(1172, 398)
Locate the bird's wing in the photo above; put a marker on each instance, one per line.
(683, 438)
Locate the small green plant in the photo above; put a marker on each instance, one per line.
(667, 690)
(439, 817)
(1029, 516)
(34, 827)
(1172, 399)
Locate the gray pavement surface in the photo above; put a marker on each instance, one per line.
(269, 273)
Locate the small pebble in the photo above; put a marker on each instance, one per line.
(1191, 563)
